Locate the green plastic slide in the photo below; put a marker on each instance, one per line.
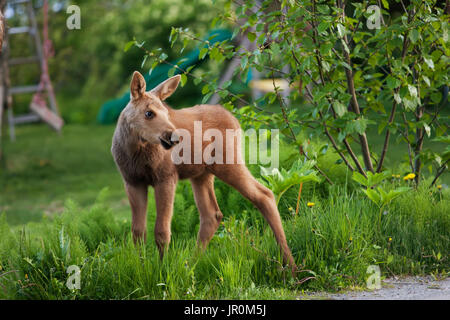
(110, 110)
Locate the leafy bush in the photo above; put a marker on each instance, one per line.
(349, 72)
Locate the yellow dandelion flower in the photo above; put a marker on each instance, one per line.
(390, 239)
(351, 239)
(409, 176)
(26, 276)
(310, 204)
(439, 186)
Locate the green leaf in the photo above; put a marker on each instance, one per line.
(429, 62)
(412, 90)
(281, 181)
(392, 82)
(173, 37)
(140, 45)
(171, 72)
(436, 97)
(144, 61)
(444, 139)
(325, 65)
(374, 196)
(251, 36)
(205, 89)
(377, 178)
(381, 126)
(358, 177)
(324, 25)
(409, 104)
(206, 98)
(128, 45)
(341, 30)
(360, 125)
(427, 129)
(392, 194)
(183, 79)
(340, 108)
(202, 53)
(414, 35)
(163, 56)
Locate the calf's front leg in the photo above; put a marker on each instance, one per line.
(164, 198)
(137, 196)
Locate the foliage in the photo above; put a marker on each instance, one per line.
(281, 181)
(336, 238)
(378, 195)
(333, 240)
(398, 70)
(372, 179)
(349, 78)
(382, 198)
(89, 66)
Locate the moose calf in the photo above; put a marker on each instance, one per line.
(145, 134)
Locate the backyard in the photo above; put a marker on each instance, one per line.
(362, 183)
(63, 203)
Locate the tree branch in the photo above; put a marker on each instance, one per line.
(394, 105)
(286, 120)
(354, 101)
(440, 171)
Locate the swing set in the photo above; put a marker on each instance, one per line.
(43, 106)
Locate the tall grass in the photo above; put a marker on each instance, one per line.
(334, 242)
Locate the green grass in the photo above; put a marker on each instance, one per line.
(63, 203)
(42, 169)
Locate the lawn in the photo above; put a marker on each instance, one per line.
(63, 203)
(39, 174)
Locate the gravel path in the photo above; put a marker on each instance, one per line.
(410, 288)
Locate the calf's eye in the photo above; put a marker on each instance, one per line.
(149, 114)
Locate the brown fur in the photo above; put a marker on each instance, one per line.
(142, 160)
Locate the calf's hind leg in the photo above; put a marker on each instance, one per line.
(210, 215)
(262, 198)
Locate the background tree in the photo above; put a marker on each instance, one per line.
(89, 66)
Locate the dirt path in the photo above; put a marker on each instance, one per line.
(410, 288)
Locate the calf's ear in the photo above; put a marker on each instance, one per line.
(166, 88)
(137, 88)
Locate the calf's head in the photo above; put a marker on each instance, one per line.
(146, 113)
